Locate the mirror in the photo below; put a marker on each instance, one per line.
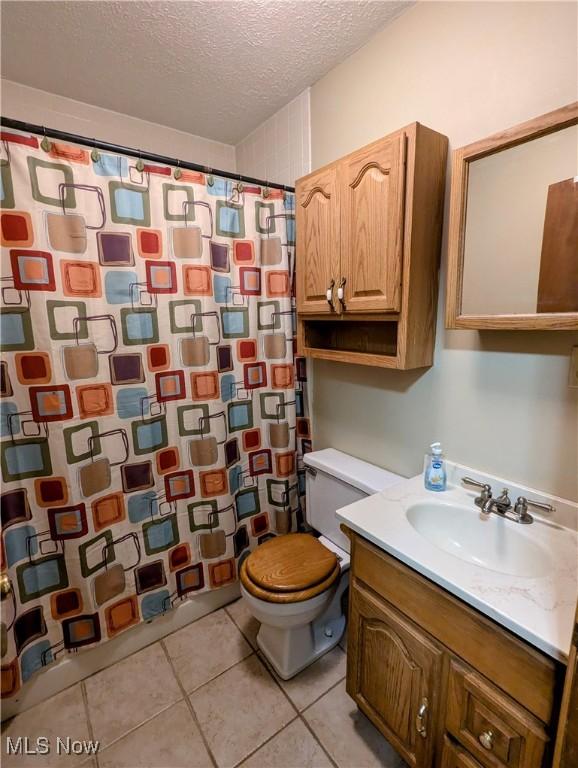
(513, 255)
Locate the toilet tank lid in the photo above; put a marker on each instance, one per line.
(360, 474)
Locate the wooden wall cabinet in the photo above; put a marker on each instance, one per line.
(318, 227)
(448, 687)
(368, 245)
(372, 184)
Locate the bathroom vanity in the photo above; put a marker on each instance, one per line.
(458, 660)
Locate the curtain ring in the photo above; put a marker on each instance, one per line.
(139, 163)
(95, 154)
(177, 172)
(45, 144)
(266, 190)
(210, 177)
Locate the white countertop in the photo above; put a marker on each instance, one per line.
(539, 610)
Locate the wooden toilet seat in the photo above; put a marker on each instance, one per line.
(289, 569)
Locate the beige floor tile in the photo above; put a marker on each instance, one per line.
(293, 747)
(62, 715)
(130, 692)
(245, 620)
(171, 739)
(347, 735)
(315, 680)
(239, 710)
(205, 648)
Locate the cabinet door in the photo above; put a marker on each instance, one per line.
(318, 240)
(394, 675)
(372, 190)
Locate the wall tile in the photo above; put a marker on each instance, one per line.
(279, 149)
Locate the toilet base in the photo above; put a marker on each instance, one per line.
(289, 650)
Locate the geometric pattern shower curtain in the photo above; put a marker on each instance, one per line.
(153, 411)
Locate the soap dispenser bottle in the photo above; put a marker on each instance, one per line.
(435, 476)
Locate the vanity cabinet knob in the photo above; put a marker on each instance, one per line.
(421, 719)
(486, 739)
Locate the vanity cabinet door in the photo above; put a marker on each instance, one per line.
(372, 192)
(394, 676)
(318, 241)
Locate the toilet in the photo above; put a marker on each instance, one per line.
(295, 584)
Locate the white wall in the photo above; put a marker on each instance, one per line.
(279, 149)
(42, 108)
(497, 400)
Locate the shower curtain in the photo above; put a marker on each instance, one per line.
(153, 412)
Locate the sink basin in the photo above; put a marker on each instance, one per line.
(492, 542)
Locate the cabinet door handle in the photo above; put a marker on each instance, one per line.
(486, 739)
(329, 294)
(421, 719)
(340, 292)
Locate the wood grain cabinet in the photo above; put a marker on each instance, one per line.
(372, 184)
(318, 234)
(494, 728)
(396, 675)
(445, 685)
(368, 245)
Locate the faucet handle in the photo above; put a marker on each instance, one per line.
(523, 502)
(486, 489)
(521, 509)
(475, 483)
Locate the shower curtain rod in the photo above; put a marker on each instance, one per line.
(53, 133)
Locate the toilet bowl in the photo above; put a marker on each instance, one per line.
(295, 584)
(301, 624)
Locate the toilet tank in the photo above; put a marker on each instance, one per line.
(334, 480)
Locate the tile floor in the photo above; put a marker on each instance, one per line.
(204, 696)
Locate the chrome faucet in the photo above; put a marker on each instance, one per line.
(502, 506)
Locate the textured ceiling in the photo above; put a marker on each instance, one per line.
(216, 68)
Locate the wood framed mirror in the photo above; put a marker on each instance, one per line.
(513, 230)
